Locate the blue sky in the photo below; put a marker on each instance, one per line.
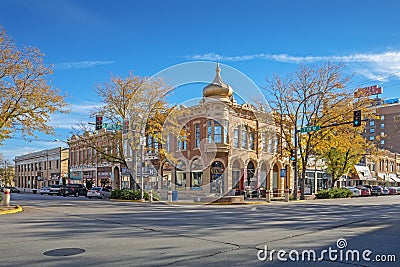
(89, 40)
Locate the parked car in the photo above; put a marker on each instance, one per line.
(385, 191)
(365, 192)
(99, 192)
(392, 190)
(356, 192)
(55, 189)
(12, 189)
(398, 190)
(375, 189)
(73, 190)
(45, 190)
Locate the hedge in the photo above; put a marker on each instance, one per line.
(334, 193)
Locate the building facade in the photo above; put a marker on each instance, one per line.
(226, 148)
(385, 129)
(42, 168)
(87, 165)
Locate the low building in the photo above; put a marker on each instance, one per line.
(42, 168)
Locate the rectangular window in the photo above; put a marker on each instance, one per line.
(382, 142)
(217, 132)
(382, 117)
(382, 125)
(182, 143)
(372, 130)
(197, 135)
(382, 133)
(371, 138)
(167, 143)
(236, 138)
(371, 123)
(209, 132)
(252, 141)
(226, 128)
(264, 142)
(244, 137)
(270, 145)
(149, 144)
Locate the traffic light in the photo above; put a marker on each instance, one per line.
(125, 127)
(99, 122)
(357, 118)
(292, 154)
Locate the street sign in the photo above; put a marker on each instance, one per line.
(310, 128)
(111, 126)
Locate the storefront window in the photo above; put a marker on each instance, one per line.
(196, 174)
(180, 175)
(217, 177)
(236, 175)
(166, 173)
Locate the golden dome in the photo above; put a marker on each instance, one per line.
(218, 89)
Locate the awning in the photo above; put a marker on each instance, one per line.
(388, 177)
(397, 180)
(363, 172)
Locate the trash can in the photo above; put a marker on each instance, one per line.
(34, 191)
(174, 195)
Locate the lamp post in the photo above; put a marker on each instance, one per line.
(295, 147)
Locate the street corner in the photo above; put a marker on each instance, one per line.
(11, 210)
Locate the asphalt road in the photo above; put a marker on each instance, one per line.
(107, 233)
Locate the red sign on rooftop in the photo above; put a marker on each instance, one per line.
(368, 91)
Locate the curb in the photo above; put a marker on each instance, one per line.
(12, 211)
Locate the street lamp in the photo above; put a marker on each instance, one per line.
(296, 145)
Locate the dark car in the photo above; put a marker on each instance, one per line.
(12, 189)
(73, 190)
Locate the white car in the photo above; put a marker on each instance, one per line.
(45, 190)
(99, 192)
(356, 192)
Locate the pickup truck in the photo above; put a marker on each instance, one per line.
(55, 189)
(73, 190)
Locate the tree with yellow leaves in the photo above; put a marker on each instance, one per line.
(27, 99)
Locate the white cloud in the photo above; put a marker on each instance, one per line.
(375, 66)
(79, 112)
(81, 64)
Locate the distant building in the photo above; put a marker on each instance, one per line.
(89, 166)
(42, 168)
(385, 130)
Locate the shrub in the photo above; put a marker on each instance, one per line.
(324, 194)
(130, 194)
(334, 193)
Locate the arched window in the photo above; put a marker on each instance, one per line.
(251, 179)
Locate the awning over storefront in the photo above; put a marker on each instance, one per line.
(363, 173)
(397, 180)
(388, 177)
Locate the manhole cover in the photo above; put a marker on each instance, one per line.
(63, 252)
